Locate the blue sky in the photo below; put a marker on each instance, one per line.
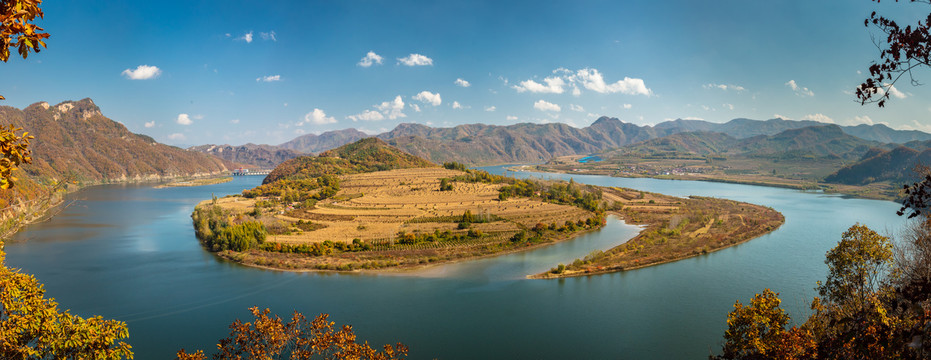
(196, 72)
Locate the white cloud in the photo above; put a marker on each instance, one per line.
(142, 72)
(800, 91)
(269, 36)
(895, 92)
(150, 124)
(728, 106)
(370, 59)
(268, 78)
(176, 136)
(862, 120)
(627, 106)
(393, 109)
(575, 107)
(367, 115)
(415, 107)
(429, 98)
(318, 117)
(917, 126)
(575, 91)
(299, 131)
(819, 118)
(692, 118)
(247, 37)
(462, 83)
(724, 87)
(184, 119)
(777, 116)
(416, 60)
(554, 85)
(197, 117)
(456, 105)
(490, 108)
(592, 79)
(546, 106)
(511, 118)
(234, 121)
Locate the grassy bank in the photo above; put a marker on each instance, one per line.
(196, 182)
(676, 229)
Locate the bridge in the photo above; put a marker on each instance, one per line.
(249, 172)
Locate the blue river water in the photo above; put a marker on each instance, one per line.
(128, 252)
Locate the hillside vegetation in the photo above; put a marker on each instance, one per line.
(252, 155)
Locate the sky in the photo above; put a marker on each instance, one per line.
(198, 72)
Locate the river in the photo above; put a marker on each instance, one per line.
(128, 252)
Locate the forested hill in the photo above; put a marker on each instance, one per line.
(260, 156)
(896, 166)
(74, 140)
(824, 141)
(369, 154)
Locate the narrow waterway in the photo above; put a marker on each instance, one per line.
(129, 252)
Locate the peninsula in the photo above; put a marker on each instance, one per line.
(370, 206)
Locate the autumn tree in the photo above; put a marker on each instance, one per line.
(862, 313)
(17, 29)
(758, 331)
(32, 327)
(270, 337)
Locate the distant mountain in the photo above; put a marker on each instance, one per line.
(369, 154)
(812, 141)
(745, 128)
(697, 143)
(260, 156)
(74, 139)
(896, 166)
(883, 133)
(524, 142)
(312, 143)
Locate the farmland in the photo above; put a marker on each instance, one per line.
(400, 218)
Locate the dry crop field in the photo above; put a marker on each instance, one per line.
(374, 207)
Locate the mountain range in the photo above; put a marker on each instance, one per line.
(260, 156)
(527, 142)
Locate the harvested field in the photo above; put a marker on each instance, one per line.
(376, 207)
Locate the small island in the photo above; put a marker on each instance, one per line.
(368, 206)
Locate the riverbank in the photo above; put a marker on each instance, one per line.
(196, 182)
(676, 229)
(49, 200)
(875, 191)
